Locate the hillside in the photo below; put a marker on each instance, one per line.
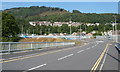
(36, 13)
(24, 12)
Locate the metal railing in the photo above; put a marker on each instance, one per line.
(17, 46)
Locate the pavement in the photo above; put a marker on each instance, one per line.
(95, 55)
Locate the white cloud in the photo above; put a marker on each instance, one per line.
(60, 0)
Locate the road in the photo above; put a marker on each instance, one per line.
(94, 55)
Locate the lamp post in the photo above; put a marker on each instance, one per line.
(115, 28)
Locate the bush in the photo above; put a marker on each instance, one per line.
(97, 34)
(10, 39)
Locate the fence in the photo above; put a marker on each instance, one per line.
(17, 46)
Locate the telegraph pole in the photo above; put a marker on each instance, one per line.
(80, 32)
(70, 22)
(113, 29)
(22, 29)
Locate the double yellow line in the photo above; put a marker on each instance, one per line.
(95, 66)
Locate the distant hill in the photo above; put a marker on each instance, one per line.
(24, 12)
(36, 13)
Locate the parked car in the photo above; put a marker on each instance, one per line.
(109, 38)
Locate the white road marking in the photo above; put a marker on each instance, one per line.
(87, 48)
(21, 56)
(104, 60)
(93, 46)
(16, 57)
(80, 51)
(65, 56)
(110, 44)
(37, 67)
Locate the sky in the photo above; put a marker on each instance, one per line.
(60, 0)
(84, 7)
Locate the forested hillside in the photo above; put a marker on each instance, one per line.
(24, 12)
(36, 13)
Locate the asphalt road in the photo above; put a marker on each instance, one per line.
(94, 55)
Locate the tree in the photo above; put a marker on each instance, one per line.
(76, 11)
(64, 28)
(10, 29)
(99, 34)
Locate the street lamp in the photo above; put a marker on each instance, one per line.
(115, 28)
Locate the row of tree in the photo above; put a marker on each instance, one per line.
(77, 17)
(65, 29)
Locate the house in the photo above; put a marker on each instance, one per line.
(34, 23)
(74, 34)
(89, 34)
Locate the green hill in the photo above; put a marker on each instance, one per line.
(24, 12)
(36, 13)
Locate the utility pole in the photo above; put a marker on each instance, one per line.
(80, 32)
(85, 28)
(27, 32)
(22, 29)
(33, 31)
(104, 31)
(49, 30)
(70, 22)
(70, 30)
(113, 29)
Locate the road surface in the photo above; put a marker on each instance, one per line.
(93, 55)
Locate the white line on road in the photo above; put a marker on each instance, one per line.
(21, 56)
(37, 67)
(65, 56)
(80, 51)
(93, 46)
(104, 60)
(15, 57)
(87, 48)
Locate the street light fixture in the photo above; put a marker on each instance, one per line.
(113, 29)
